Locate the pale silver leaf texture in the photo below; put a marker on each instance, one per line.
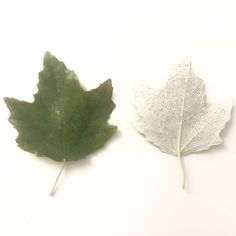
(177, 118)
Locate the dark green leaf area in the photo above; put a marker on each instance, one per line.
(64, 121)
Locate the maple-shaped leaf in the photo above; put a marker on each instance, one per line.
(177, 118)
(64, 122)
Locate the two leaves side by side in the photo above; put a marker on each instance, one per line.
(177, 118)
(64, 122)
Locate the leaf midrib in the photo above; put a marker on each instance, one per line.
(182, 113)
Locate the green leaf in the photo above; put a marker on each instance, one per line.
(65, 122)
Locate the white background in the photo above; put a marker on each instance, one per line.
(129, 188)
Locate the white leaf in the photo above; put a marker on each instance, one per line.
(177, 118)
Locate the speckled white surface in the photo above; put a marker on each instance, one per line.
(177, 119)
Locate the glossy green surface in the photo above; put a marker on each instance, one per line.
(64, 121)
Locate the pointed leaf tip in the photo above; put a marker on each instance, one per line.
(48, 54)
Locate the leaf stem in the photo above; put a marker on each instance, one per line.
(58, 176)
(181, 164)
